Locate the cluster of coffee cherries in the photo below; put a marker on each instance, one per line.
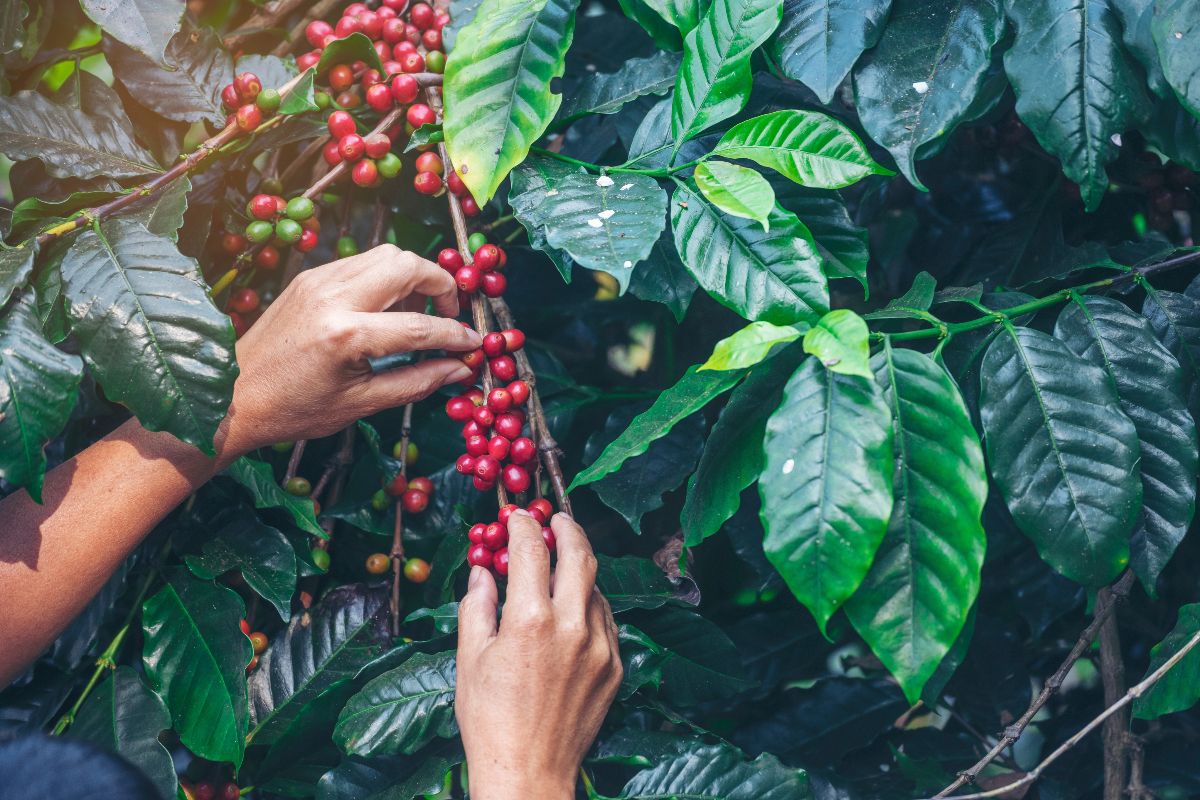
(484, 274)
(247, 101)
(371, 155)
(207, 790)
(416, 570)
(489, 542)
(396, 40)
(258, 640)
(428, 180)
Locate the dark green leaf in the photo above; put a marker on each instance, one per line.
(774, 277)
(70, 143)
(1076, 85)
(915, 600)
(145, 25)
(444, 617)
(149, 330)
(190, 91)
(841, 244)
(826, 484)
(1175, 319)
(259, 478)
(1062, 452)
(329, 643)
(714, 78)
(1149, 383)
(530, 184)
(429, 133)
(38, 385)
(641, 748)
(355, 47)
(401, 710)
(12, 18)
(637, 488)
(497, 85)
(631, 582)
(807, 147)
(607, 93)
(1175, 132)
(163, 213)
(664, 34)
(718, 772)
(733, 455)
(602, 223)
(1136, 16)
(195, 656)
(261, 553)
(391, 778)
(33, 212)
(841, 342)
(1175, 26)
(663, 278)
(1179, 689)
(308, 738)
(695, 661)
(124, 717)
(693, 391)
(918, 83)
(818, 43)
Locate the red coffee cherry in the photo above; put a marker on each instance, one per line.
(365, 173)
(414, 502)
(245, 627)
(465, 465)
(341, 77)
(308, 60)
(248, 86)
(422, 484)
(475, 534)
(412, 62)
(514, 338)
(479, 556)
(484, 416)
(540, 508)
(519, 391)
(249, 117)
(233, 243)
(244, 301)
(450, 259)
(494, 345)
(346, 26)
(413, 34)
(498, 447)
(516, 478)
(352, 147)
(495, 536)
(397, 486)
(427, 183)
(467, 279)
(421, 15)
(477, 445)
(260, 641)
(522, 451)
(308, 241)
(374, 77)
(509, 425)
(459, 409)
(432, 39)
(505, 512)
(331, 154)
(262, 206)
(378, 145)
(475, 395)
(487, 468)
(379, 97)
(469, 207)
(500, 400)
(372, 24)
(230, 98)
(401, 49)
(340, 124)
(316, 32)
(548, 538)
(493, 284)
(267, 258)
(420, 114)
(206, 791)
(430, 162)
(503, 368)
(455, 185)
(472, 429)
(405, 89)
(393, 30)
(500, 562)
(482, 485)
(487, 257)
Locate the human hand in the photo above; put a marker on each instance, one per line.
(304, 370)
(530, 698)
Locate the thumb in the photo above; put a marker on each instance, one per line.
(477, 612)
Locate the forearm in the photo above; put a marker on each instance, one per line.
(96, 508)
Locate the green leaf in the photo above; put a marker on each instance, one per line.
(125, 718)
(33, 212)
(392, 778)
(841, 244)
(429, 133)
(681, 14)
(1149, 383)
(664, 34)
(347, 50)
(818, 43)
(631, 582)
(145, 25)
(608, 92)
(718, 772)
(149, 330)
(638, 487)
(733, 455)
(1175, 26)
(444, 617)
(714, 78)
(918, 594)
(693, 660)
(67, 141)
(162, 214)
(1174, 131)
(693, 391)
(662, 278)
(919, 82)
(262, 555)
(599, 222)
(259, 478)
(1179, 689)
(401, 710)
(1062, 452)
(302, 98)
(190, 91)
(38, 385)
(530, 185)
(736, 190)
(1175, 318)
(1076, 85)
(1136, 17)
(842, 343)
(308, 738)
(749, 346)
(826, 485)
(773, 277)
(195, 656)
(807, 147)
(497, 85)
(330, 643)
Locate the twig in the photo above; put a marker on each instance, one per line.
(1112, 676)
(397, 553)
(322, 8)
(1104, 608)
(269, 16)
(341, 459)
(303, 159)
(1131, 695)
(294, 460)
(1137, 789)
(155, 184)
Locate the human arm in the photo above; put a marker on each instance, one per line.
(532, 693)
(304, 374)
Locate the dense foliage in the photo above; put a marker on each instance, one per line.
(867, 329)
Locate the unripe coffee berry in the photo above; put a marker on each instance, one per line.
(416, 570)
(435, 60)
(346, 247)
(389, 165)
(493, 284)
(260, 231)
(320, 559)
(381, 500)
(522, 450)
(378, 563)
(299, 208)
(288, 231)
(259, 641)
(476, 240)
(268, 101)
(450, 260)
(365, 173)
(479, 556)
(414, 502)
(298, 486)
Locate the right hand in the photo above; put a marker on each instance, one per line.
(531, 695)
(304, 370)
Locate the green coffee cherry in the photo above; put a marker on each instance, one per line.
(380, 500)
(298, 486)
(320, 559)
(300, 208)
(346, 247)
(271, 186)
(260, 231)
(389, 166)
(323, 100)
(476, 240)
(435, 61)
(288, 231)
(268, 99)
(282, 447)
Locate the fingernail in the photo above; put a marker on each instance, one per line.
(475, 577)
(460, 372)
(565, 516)
(474, 337)
(520, 512)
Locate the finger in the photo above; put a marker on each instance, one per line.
(404, 385)
(528, 563)
(575, 574)
(477, 613)
(384, 333)
(385, 275)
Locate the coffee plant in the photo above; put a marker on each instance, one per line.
(862, 336)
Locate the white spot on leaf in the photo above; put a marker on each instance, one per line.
(604, 181)
(788, 466)
(606, 213)
(1116, 139)
(626, 186)
(831, 362)
(921, 86)
(551, 193)
(627, 264)
(595, 223)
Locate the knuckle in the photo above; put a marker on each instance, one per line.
(386, 250)
(586, 564)
(337, 330)
(535, 619)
